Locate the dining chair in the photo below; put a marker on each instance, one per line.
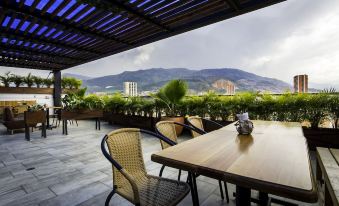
(130, 179)
(167, 129)
(197, 122)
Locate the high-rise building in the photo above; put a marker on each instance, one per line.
(301, 83)
(130, 88)
(225, 85)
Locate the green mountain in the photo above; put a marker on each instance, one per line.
(198, 80)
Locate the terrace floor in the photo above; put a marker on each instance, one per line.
(71, 170)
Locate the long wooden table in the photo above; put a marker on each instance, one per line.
(328, 173)
(274, 159)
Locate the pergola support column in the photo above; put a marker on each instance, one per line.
(57, 88)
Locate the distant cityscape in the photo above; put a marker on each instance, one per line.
(225, 87)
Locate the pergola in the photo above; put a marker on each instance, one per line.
(60, 34)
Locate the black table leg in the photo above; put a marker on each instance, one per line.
(243, 196)
(63, 126)
(193, 193)
(66, 129)
(99, 123)
(27, 135)
(96, 123)
(195, 188)
(263, 198)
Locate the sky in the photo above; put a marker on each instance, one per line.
(280, 41)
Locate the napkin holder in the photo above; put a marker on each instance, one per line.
(244, 125)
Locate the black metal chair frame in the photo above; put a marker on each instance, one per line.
(119, 167)
(194, 176)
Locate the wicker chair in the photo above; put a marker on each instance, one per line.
(197, 123)
(167, 129)
(130, 179)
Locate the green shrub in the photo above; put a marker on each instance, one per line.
(6, 79)
(48, 82)
(38, 81)
(17, 80)
(28, 80)
(172, 94)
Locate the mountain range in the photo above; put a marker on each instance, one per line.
(198, 80)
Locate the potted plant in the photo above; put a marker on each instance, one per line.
(171, 95)
(6, 79)
(48, 82)
(17, 80)
(77, 106)
(28, 80)
(38, 81)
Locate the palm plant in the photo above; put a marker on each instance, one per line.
(6, 79)
(48, 82)
(17, 80)
(171, 95)
(38, 81)
(29, 80)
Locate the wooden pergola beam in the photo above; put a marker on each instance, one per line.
(57, 21)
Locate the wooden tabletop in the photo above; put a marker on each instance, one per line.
(274, 159)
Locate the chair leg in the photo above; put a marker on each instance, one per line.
(109, 197)
(221, 191)
(226, 192)
(76, 122)
(179, 175)
(161, 170)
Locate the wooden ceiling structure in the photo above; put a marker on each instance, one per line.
(60, 34)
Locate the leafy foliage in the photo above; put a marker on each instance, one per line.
(17, 80)
(70, 83)
(29, 80)
(6, 79)
(171, 95)
(48, 82)
(38, 81)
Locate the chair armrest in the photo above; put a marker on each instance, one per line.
(213, 122)
(191, 127)
(159, 136)
(129, 177)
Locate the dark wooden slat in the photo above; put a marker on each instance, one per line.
(69, 11)
(49, 20)
(35, 3)
(45, 57)
(49, 4)
(233, 4)
(30, 40)
(60, 7)
(20, 24)
(132, 12)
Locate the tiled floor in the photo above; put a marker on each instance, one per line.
(70, 170)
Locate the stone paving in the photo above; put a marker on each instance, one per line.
(71, 170)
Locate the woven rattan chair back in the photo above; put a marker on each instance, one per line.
(196, 122)
(167, 128)
(124, 146)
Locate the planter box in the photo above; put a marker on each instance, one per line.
(29, 90)
(81, 114)
(131, 120)
(321, 137)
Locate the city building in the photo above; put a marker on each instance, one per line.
(301, 83)
(130, 88)
(225, 85)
